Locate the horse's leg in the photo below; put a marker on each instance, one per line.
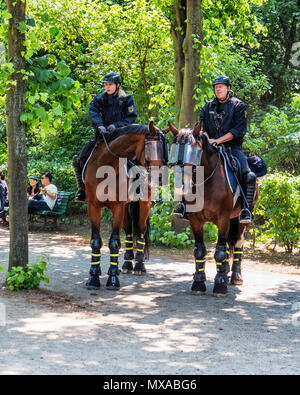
(221, 258)
(141, 244)
(198, 286)
(114, 246)
(96, 244)
(236, 275)
(128, 256)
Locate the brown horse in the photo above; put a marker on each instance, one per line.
(111, 190)
(218, 208)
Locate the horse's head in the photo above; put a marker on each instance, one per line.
(156, 149)
(186, 149)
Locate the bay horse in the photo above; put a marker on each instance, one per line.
(106, 156)
(218, 208)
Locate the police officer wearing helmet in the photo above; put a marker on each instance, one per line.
(108, 111)
(225, 122)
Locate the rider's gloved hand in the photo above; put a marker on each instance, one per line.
(111, 128)
(102, 129)
(99, 132)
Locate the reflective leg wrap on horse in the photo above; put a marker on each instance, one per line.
(113, 271)
(221, 256)
(139, 267)
(93, 282)
(236, 275)
(198, 286)
(128, 256)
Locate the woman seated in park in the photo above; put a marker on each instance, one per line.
(49, 195)
(4, 188)
(33, 189)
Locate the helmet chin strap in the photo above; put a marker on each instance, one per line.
(227, 97)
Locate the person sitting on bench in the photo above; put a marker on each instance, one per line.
(49, 195)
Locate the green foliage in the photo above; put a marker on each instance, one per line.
(18, 278)
(210, 232)
(161, 217)
(282, 29)
(279, 204)
(277, 138)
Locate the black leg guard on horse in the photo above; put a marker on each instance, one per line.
(249, 186)
(128, 256)
(198, 286)
(220, 286)
(95, 270)
(236, 275)
(77, 165)
(113, 282)
(139, 267)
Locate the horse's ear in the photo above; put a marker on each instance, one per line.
(197, 129)
(171, 128)
(152, 129)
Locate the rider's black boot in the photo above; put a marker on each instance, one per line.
(246, 215)
(80, 195)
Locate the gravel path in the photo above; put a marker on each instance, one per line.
(153, 325)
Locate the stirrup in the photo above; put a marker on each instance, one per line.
(179, 212)
(248, 216)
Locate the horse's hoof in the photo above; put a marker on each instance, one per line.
(113, 283)
(112, 288)
(139, 268)
(236, 278)
(220, 287)
(127, 267)
(93, 283)
(92, 287)
(198, 288)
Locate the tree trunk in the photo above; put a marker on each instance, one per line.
(191, 48)
(178, 32)
(17, 159)
(186, 32)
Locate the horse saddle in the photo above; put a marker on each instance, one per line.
(232, 171)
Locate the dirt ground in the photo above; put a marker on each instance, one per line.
(153, 325)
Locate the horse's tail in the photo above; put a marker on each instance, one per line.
(134, 210)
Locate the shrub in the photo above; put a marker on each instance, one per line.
(161, 217)
(279, 203)
(18, 278)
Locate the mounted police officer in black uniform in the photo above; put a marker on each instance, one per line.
(225, 122)
(108, 111)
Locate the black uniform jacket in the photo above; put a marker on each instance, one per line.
(107, 109)
(221, 118)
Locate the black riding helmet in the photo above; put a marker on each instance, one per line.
(112, 77)
(222, 79)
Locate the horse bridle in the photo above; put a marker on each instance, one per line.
(148, 137)
(180, 161)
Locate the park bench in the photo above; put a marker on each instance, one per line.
(59, 209)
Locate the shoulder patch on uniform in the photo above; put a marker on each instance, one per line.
(131, 109)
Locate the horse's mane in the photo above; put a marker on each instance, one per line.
(126, 130)
(187, 134)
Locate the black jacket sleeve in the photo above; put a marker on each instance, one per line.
(130, 113)
(95, 111)
(239, 119)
